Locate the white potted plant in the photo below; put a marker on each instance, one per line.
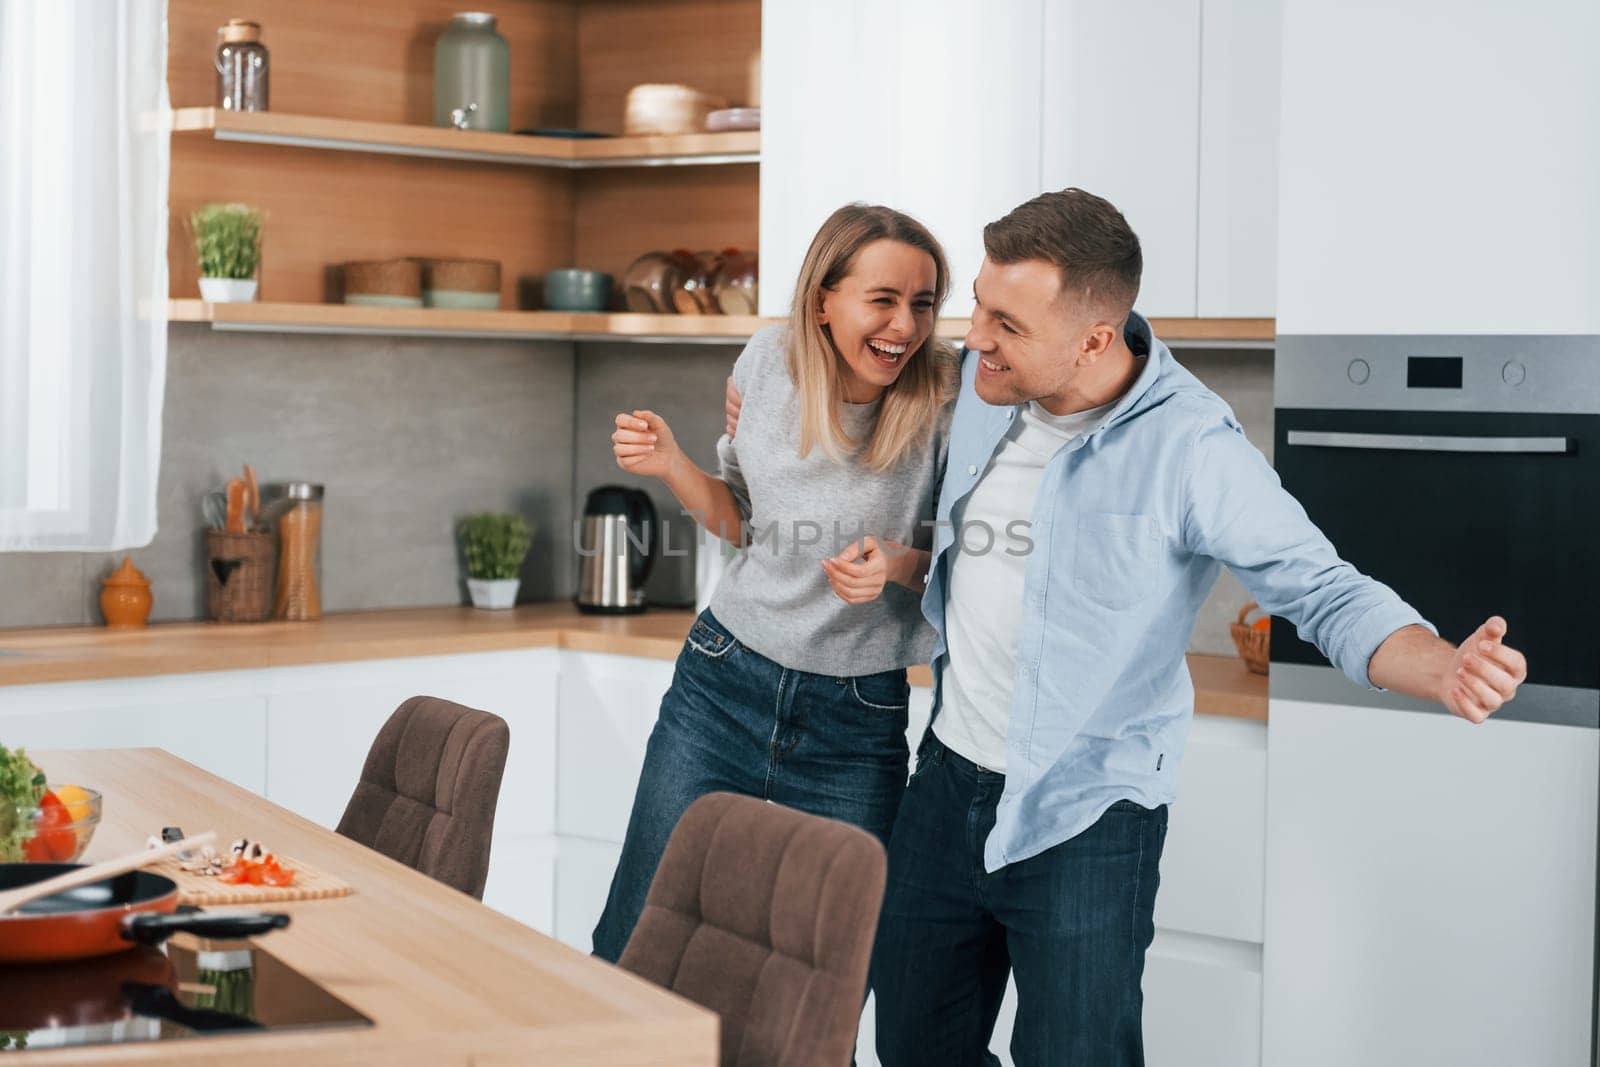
(227, 240)
(494, 544)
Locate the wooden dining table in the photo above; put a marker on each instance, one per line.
(445, 979)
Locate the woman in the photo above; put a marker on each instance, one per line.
(792, 685)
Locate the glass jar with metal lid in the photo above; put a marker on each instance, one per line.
(241, 63)
(298, 508)
(472, 75)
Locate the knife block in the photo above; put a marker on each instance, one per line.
(240, 568)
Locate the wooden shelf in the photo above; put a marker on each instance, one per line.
(390, 138)
(562, 325)
(448, 322)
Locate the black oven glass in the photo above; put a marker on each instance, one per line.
(1463, 535)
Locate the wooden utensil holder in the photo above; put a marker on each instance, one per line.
(240, 568)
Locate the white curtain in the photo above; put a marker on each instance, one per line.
(83, 276)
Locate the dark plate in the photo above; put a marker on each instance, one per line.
(571, 135)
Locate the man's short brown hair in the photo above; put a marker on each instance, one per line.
(1084, 236)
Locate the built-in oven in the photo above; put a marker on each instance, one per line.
(1465, 473)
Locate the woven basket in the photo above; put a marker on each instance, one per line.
(383, 277)
(1252, 644)
(467, 275)
(240, 568)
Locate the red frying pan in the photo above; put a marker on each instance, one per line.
(137, 908)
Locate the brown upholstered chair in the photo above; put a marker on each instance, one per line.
(428, 790)
(766, 916)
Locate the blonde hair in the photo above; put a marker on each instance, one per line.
(911, 406)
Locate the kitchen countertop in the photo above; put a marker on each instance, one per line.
(74, 654)
(444, 978)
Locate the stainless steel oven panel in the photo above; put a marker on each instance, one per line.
(1557, 374)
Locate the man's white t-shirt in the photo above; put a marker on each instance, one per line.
(984, 603)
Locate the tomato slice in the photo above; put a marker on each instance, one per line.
(276, 875)
(53, 840)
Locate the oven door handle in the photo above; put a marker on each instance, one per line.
(1415, 442)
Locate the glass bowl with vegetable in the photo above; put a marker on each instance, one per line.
(63, 823)
(41, 822)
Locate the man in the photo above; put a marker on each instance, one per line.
(1031, 832)
(1030, 836)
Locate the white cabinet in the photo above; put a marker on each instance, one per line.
(1202, 1005)
(1120, 120)
(215, 721)
(1240, 66)
(928, 106)
(1212, 867)
(583, 879)
(608, 708)
(522, 879)
(1438, 169)
(322, 720)
(957, 111)
(1430, 889)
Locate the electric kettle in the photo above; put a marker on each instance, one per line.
(616, 550)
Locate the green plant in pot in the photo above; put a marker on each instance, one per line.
(495, 544)
(227, 241)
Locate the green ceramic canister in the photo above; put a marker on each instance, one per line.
(472, 75)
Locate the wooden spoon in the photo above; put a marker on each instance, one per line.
(252, 498)
(12, 899)
(236, 505)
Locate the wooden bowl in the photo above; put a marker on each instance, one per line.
(668, 109)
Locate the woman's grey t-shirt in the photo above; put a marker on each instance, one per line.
(774, 596)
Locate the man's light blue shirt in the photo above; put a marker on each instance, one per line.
(1132, 523)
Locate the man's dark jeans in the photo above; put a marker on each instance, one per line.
(1073, 922)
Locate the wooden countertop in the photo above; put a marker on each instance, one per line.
(445, 979)
(73, 654)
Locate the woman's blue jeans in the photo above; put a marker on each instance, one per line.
(735, 721)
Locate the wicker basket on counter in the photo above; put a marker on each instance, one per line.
(240, 568)
(1252, 643)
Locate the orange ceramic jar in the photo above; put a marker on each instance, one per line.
(125, 597)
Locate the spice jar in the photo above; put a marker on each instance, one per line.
(299, 593)
(241, 63)
(125, 597)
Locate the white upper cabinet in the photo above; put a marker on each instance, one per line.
(1121, 120)
(956, 111)
(1240, 65)
(929, 106)
(1440, 168)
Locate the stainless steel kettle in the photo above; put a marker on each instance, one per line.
(616, 550)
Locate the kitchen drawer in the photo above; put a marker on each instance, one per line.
(583, 879)
(522, 880)
(1213, 865)
(1202, 1003)
(608, 706)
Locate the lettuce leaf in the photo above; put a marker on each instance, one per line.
(21, 786)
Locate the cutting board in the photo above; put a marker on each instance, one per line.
(203, 891)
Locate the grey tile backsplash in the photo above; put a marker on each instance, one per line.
(409, 434)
